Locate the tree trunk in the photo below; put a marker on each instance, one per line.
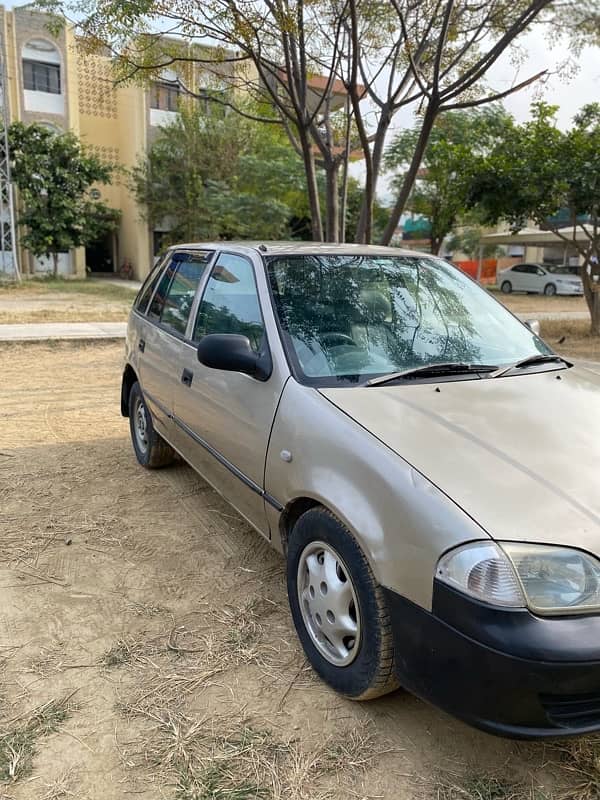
(332, 228)
(55, 264)
(365, 221)
(591, 291)
(344, 202)
(435, 246)
(411, 175)
(312, 187)
(595, 310)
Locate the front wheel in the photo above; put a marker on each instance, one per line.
(338, 608)
(506, 287)
(150, 449)
(550, 290)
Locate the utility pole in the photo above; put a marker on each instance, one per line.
(9, 261)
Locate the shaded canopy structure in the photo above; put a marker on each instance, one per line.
(534, 237)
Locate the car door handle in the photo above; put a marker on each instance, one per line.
(141, 345)
(187, 377)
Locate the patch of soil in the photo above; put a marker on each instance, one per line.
(521, 303)
(29, 305)
(146, 600)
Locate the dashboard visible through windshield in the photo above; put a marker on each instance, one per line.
(349, 318)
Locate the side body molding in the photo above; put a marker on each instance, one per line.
(401, 520)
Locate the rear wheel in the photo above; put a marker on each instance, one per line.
(150, 448)
(338, 608)
(550, 290)
(506, 287)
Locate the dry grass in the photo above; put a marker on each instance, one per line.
(172, 667)
(485, 787)
(129, 650)
(62, 786)
(87, 286)
(230, 758)
(579, 761)
(571, 338)
(60, 300)
(18, 742)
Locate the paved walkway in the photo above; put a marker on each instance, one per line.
(25, 332)
(135, 286)
(33, 331)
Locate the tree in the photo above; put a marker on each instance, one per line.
(207, 178)
(536, 171)
(334, 73)
(579, 19)
(441, 189)
(54, 176)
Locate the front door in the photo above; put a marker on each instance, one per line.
(223, 419)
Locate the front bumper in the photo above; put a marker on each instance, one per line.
(507, 672)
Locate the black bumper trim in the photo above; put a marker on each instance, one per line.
(494, 689)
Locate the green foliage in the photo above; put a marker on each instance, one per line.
(214, 175)
(54, 176)
(457, 141)
(536, 170)
(355, 198)
(468, 240)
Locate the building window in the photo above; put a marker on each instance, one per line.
(41, 69)
(165, 96)
(40, 77)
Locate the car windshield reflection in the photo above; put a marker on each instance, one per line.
(348, 318)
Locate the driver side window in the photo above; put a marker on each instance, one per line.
(230, 302)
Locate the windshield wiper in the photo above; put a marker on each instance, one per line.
(432, 370)
(525, 362)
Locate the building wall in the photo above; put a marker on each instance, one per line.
(112, 122)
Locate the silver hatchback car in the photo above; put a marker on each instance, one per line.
(427, 465)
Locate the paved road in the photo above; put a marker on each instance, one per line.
(31, 331)
(25, 332)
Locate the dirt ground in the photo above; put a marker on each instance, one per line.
(520, 303)
(145, 640)
(64, 301)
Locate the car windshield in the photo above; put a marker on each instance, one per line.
(346, 319)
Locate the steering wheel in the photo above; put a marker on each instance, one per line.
(330, 339)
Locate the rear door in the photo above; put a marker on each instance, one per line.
(223, 419)
(518, 278)
(531, 279)
(162, 336)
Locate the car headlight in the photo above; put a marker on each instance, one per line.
(546, 579)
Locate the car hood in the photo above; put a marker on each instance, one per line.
(520, 454)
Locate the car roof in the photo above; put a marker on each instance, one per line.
(299, 248)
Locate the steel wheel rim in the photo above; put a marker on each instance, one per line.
(328, 603)
(140, 424)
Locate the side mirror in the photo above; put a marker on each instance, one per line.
(534, 326)
(231, 352)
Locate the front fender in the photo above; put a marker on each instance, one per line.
(401, 520)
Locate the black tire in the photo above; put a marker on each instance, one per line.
(156, 452)
(371, 672)
(549, 290)
(506, 287)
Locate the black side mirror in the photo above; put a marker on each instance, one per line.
(231, 352)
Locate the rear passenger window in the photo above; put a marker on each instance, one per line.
(145, 293)
(173, 299)
(230, 302)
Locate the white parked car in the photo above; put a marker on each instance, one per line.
(539, 279)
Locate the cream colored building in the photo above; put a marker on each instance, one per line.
(51, 80)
